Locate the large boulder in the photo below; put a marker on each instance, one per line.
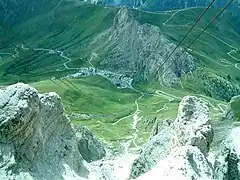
(192, 126)
(37, 139)
(191, 129)
(157, 148)
(90, 146)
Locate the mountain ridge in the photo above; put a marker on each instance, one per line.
(143, 60)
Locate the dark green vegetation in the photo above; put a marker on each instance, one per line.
(11, 11)
(71, 26)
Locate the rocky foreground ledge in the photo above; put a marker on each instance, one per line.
(181, 150)
(38, 142)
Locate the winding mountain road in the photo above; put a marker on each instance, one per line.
(136, 118)
(171, 17)
(237, 65)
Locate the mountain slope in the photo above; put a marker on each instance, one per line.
(69, 30)
(139, 51)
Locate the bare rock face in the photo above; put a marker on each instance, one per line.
(116, 167)
(37, 139)
(141, 53)
(38, 142)
(157, 148)
(227, 165)
(90, 147)
(160, 125)
(186, 141)
(192, 126)
(183, 163)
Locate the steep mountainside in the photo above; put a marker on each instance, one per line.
(106, 65)
(139, 51)
(96, 41)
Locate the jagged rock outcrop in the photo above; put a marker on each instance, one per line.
(159, 125)
(37, 139)
(192, 126)
(90, 147)
(227, 165)
(183, 163)
(157, 148)
(141, 53)
(180, 147)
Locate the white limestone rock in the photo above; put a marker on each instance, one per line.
(90, 146)
(191, 128)
(112, 168)
(227, 164)
(183, 163)
(37, 139)
(157, 148)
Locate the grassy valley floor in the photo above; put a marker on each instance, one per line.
(111, 113)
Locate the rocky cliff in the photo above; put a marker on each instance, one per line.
(37, 139)
(139, 51)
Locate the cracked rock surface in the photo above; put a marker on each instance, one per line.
(37, 139)
(90, 147)
(180, 147)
